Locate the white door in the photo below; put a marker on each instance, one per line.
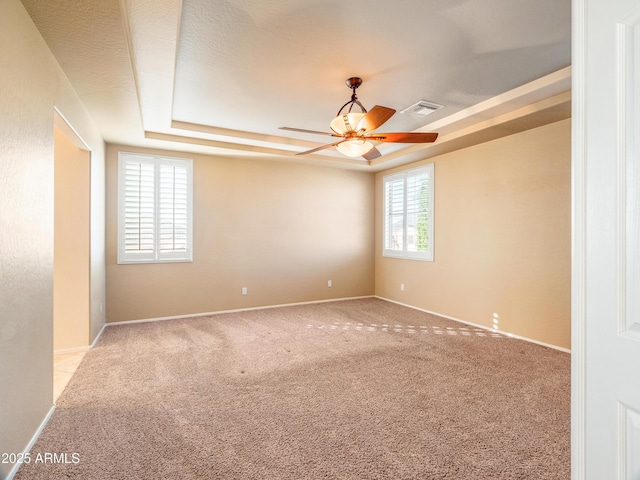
(606, 244)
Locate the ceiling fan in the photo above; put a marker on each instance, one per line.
(355, 129)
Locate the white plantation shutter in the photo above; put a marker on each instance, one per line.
(155, 218)
(173, 215)
(417, 212)
(394, 216)
(139, 208)
(408, 214)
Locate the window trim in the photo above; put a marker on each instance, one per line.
(156, 256)
(404, 253)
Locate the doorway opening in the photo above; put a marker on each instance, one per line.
(72, 254)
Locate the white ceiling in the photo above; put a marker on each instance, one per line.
(220, 77)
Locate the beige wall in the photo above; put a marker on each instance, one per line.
(279, 229)
(502, 238)
(71, 254)
(31, 85)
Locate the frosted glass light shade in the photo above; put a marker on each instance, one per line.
(354, 147)
(339, 125)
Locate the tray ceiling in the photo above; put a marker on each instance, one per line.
(222, 77)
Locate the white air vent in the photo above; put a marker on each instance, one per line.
(421, 108)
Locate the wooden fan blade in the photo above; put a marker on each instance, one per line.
(320, 148)
(308, 131)
(372, 154)
(374, 118)
(403, 137)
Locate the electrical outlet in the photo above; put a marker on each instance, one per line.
(329, 283)
(101, 307)
(402, 287)
(244, 290)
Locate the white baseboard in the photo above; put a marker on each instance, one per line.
(35, 436)
(62, 351)
(265, 307)
(220, 312)
(511, 335)
(95, 340)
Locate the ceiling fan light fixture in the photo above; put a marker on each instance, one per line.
(346, 122)
(356, 128)
(354, 147)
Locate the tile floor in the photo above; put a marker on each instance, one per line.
(64, 366)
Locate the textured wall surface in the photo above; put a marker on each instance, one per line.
(502, 238)
(31, 84)
(26, 230)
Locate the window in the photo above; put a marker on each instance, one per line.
(154, 209)
(408, 214)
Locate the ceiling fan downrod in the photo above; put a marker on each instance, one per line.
(353, 83)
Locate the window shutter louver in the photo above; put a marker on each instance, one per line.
(154, 209)
(417, 213)
(173, 209)
(394, 219)
(139, 209)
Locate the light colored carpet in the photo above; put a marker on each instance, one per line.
(359, 389)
